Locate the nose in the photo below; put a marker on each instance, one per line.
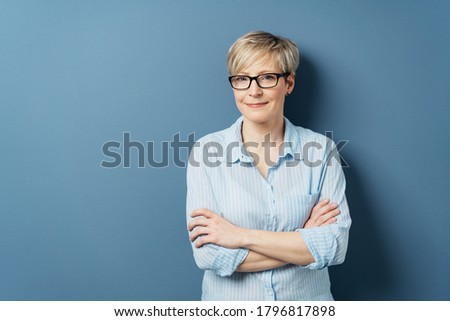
(254, 90)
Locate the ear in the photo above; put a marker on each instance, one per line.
(290, 82)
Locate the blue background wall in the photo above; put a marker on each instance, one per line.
(76, 74)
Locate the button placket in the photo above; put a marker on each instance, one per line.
(271, 226)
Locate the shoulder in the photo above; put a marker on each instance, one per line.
(310, 143)
(215, 137)
(304, 135)
(214, 145)
(211, 144)
(221, 137)
(307, 135)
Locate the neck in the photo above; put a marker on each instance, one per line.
(256, 132)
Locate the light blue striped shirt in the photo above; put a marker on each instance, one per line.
(221, 176)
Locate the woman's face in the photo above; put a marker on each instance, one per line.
(263, 106)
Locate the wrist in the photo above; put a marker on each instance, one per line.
(246, 236)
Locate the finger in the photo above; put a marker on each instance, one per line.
(331, 206)
(325, 209)
(198, 232)
(328, 216)
(321, 204)
(202, 212)
(202, 241)
(330, 221)
(197, 222)
(328, 208)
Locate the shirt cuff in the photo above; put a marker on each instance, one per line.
(228, 260)
(322, 244)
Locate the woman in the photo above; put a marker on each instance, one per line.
(266, 207)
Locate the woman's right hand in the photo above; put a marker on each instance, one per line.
(323, 213)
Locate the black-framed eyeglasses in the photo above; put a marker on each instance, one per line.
(264, 81)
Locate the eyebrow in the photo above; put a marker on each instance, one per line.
(262, 73)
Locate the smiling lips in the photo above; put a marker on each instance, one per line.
(256, 105)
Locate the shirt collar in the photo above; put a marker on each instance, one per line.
(236, 152)
(234, 146)
(292, 145)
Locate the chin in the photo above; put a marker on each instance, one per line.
(257, 118)
(260, 116)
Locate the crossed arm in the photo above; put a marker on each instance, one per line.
(267, 249)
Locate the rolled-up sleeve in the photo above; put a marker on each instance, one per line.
(200, 194)
(328, 244)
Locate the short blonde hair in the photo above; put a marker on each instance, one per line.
(255, 45)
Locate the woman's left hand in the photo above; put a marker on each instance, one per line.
(213, 228)
(323, 213)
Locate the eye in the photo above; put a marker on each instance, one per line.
(268, 77)
(240, 78)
